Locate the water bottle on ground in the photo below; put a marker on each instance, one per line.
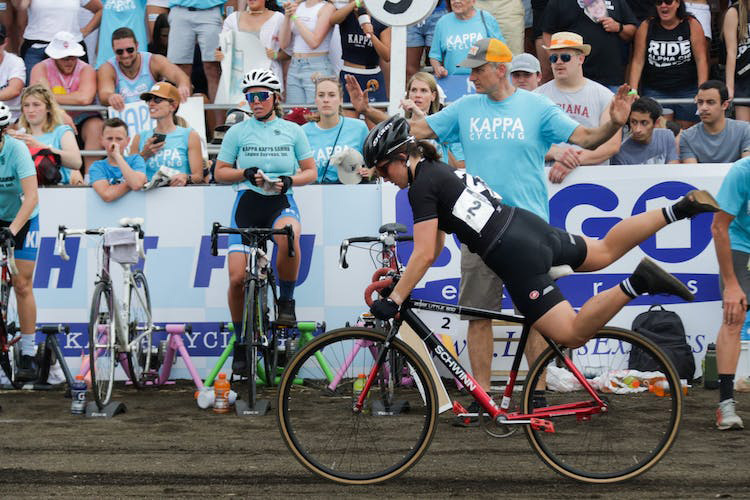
(710, 370)
(78, 395)
(221, 394)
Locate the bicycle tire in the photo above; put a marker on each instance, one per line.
(249, 337)
(102, 344)
(323, 432)
(141, 357)
(634, 433)
(8, 326)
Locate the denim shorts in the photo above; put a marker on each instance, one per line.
(685, 112)
(300, 89)
(420, 34)
(185, 26)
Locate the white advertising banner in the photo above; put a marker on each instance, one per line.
(188, 285)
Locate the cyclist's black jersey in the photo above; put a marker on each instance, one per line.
(463, 205)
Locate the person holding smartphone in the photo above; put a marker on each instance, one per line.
(169, 144)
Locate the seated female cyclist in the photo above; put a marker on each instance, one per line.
(19, 221)
(516, 244)
(278, 148)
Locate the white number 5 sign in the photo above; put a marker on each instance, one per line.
(400, 12)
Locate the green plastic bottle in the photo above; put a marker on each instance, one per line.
(710, 371)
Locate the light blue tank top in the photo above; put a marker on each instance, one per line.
(52, 139)
(131, 90)
(174, 154)
(116, 14)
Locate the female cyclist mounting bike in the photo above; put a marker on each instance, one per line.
(269, 146)
(517, 245)
(19, 221)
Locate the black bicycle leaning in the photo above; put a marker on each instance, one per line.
(259, 334)
(10, 352)
(592, 428)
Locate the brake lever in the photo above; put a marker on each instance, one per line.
(290, 240)
(343, 264)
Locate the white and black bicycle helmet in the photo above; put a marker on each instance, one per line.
(261, 78)
(5, 115)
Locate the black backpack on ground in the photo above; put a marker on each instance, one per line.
(666, 330)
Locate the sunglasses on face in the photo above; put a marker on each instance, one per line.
(665, 2)
(157, 99)
(261, 96)
(129, 50)
(563, 57)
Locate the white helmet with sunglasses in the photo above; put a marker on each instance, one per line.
(261, 78)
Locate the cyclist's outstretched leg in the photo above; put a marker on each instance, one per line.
(625, 436)
(22, 285)
(631, 231)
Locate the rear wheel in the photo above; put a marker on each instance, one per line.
(630, 434)
(102, 344)
(326, 434)
(142, 356)
(9, 346)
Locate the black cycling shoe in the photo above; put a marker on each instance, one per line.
(287, 316)
(660, 281)
(27, 369)
(697, 202)
(239, 361)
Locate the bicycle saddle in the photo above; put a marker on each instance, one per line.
(131, 221)
(392, 227)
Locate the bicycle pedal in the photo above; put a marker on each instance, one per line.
(458, 408)
(539, 424)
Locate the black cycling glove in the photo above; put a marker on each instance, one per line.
(249, 174)
(287, 181)
(384, 309)
(6, 235)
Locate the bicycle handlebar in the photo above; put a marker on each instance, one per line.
(133, 223)
(387, 239)
(8, 247)
(264, 232)
(47, 329)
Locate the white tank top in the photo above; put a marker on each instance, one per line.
(309, 17)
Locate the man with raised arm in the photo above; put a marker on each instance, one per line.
(505, 133)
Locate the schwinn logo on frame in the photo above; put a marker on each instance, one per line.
(455, 368)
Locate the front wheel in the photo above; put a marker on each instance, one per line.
(316, 413)
(635, 428)
(102, 344)
(141, 356)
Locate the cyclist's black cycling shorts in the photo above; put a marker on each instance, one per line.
(256, 210)
(523, 257)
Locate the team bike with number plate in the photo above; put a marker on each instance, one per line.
(589, 432)
(120, 327)
(261, 336)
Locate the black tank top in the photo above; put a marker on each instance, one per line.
(669, 61)
(742, 68)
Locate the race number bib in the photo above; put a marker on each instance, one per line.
(474, 209)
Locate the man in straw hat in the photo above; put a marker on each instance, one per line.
(584, 100)
(505, 133)
(607, 25)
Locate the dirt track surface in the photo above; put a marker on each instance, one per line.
(166, 446)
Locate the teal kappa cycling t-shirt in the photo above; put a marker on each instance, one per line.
(15, 164)
(504, 142)
(734, 199)
(276, 147)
